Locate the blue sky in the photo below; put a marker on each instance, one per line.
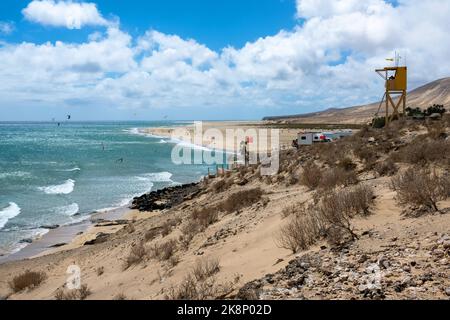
(215, 23)
(200, 59)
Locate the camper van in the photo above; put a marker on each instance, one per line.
(308, 138)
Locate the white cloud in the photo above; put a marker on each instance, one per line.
(327, 61)
(72, 15)
(6, 27)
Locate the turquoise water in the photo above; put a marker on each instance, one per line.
(52, 174)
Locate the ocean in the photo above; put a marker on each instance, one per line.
(59, 175)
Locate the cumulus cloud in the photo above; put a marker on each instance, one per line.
(72, 15)
(326, 61)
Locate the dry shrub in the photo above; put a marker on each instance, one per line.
(206, 268)
(205, 216)
(365, 153)
(311, 175)
(208, 289)
(188, 232)
(437, 130)
(299, 233)
(165, 250)
(289, 210)
(167, 226)
(337, 214)
(337, 177)
(75, 294)
(27, 280)
(151, 234)
(136, 256)
(222, 185)
(422, 151)
(338, 208)
(421, 188)
(241, 199)
(347, 164)
(360, 199)
(386, 168)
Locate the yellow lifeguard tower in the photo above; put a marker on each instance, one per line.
(396, 79)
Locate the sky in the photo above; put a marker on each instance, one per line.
(207, 60)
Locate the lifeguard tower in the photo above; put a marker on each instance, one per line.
(396, 79)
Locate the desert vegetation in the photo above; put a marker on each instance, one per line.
(27, 280)
(422, 189)
(73, 294)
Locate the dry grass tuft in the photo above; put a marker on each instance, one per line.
(76, 294)
(165, 250)
(386, 168)
(335, 177)
(241, 199)
(208, 289)
(151, 234)
(206, 268)
(136, 256)
(205, 216)
(27, 280)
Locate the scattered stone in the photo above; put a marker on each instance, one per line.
(447, 291)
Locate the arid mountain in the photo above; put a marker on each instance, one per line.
(436, 92)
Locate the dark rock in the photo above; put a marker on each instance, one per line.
(58, 245)
(50, 227)
(107, 223)
(166, 198)
(100, 238)
(447, 291)
(28, 240)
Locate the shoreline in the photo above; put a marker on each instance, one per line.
(63, 236)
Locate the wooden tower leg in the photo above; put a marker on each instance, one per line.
(387, 108)
(404, 103)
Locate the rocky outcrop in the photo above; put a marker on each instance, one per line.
(166, 198)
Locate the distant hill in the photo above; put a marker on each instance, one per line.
(436, 92)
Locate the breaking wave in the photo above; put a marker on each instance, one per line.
(65, 188)
(8, 213)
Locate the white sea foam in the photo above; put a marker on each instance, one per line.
(69, 210)
(162, 141)
(65, 188)
(71, 170)
(8, 213)
(158, 177)
(19, 174)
